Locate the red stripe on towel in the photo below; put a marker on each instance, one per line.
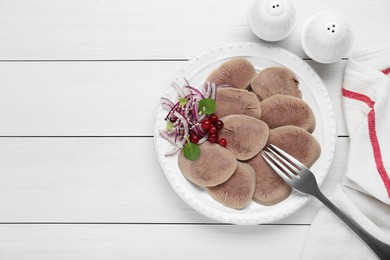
(357, 96)
(372, 133)
(386, 71)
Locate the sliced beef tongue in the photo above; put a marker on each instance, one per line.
(270, 188)
(281, 110)
(297, 142)
(275, 80)
(238, 190)
(232, 101)
(235, 73)
(246, 136)
(214, 166)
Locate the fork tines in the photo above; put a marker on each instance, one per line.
(284, 164)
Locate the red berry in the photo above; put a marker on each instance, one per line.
(213, 138)
(194, 138)
(213, 118)
(206, 123)
(218, 124)
(213, 130)
(222, 142)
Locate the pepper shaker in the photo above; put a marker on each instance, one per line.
(326, 37)
(272, 20)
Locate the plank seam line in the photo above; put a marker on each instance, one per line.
(106, 60)
(120, 60)
(95, 136)
(76, 136)
(142, 223)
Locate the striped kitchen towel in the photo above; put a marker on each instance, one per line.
(364, 193)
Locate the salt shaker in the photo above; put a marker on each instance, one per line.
(272, 20)
(326, 37)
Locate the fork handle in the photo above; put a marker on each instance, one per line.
(381, 249)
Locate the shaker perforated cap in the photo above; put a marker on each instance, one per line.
(326, 37)
(272, 20)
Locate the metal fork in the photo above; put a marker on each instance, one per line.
(302, 179)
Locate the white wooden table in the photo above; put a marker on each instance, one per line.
(80, 82)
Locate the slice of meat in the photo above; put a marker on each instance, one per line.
(237, 101)
(270, 188)
(214, 166)
(236, 73)
(245, 135)
(238, 190)
(275, 80)
(281, 110)
(297, 142)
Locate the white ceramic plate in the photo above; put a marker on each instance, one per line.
(313, 92)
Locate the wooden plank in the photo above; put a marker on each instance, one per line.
(103, 180)
(170, 29)
(82, 98)
(150, 242)
(332, 76)
(101, 98)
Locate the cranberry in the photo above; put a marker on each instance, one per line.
(218, 124)
(213, 118)
(213, 138)
(194, 138)
(206, 123)
(222, 142)
(213, 130)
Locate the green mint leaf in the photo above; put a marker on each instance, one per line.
(182, 101)
(191, 151)
(207, 106)
(169, 125)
